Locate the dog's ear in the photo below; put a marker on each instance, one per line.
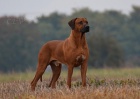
(72, 23)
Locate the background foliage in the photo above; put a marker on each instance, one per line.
(113, 38)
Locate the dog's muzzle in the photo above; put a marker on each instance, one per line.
(85, 29)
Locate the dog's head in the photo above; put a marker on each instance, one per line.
(79, 24)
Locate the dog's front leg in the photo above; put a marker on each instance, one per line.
(70, 72)
(83, 73)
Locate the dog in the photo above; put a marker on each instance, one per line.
(72, 52)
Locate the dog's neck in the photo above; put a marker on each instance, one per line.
(78, 38)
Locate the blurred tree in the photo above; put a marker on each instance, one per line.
(19, 41)
(105, 51)
(132, 42)
(49, 26)
(113, 37)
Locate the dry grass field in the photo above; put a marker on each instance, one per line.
(101, 84)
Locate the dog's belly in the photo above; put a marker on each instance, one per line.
(77, 61)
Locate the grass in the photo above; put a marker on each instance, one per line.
(101, 84)
(91, 73)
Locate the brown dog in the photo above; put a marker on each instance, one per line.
(72, 52)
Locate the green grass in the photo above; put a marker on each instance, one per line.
(91, 73)
(115, 73)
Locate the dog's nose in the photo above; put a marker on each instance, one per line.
(87, 28)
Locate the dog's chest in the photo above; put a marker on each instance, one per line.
(79, 56)
(75, 53)
(79, 59)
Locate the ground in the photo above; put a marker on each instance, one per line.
(101, 84)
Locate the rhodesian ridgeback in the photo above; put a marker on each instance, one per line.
(72, 52)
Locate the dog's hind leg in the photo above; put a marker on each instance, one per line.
(56, 70)
(41, 78)
(42, 65)
(53, 70)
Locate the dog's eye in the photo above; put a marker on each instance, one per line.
(80, 22)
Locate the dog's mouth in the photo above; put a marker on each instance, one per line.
(85, 29)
